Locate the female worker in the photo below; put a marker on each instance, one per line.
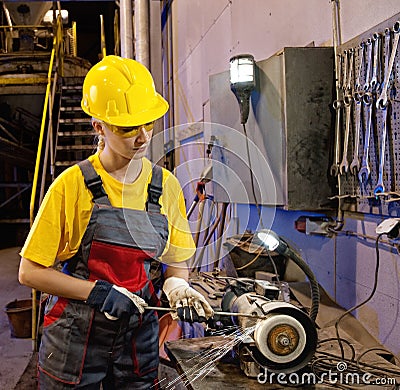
(100, 224)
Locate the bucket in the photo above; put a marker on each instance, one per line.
(19, 314)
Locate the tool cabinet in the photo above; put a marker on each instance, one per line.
(289, 130)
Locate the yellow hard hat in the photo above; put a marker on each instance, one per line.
(121, 92)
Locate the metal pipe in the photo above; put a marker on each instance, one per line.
(197, 263)
(142, 32)
(51, 130)
(49, 140)
(35, 180)
(9, 34)
(7, 13)
(74, 51)
(337, 41)
(218, 313)
(220, 234)
(14, 196)
(102, 37)
(126, 27)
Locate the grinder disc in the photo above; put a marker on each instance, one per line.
(280, 338)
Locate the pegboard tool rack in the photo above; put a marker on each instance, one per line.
(357, 193)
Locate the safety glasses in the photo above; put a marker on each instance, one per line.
(131, 131)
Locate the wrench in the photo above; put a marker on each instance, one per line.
(382, 101)
(349, 78)
(344, 165)
(374, 84)
(387, 47)
(339, 75)
(368, 63)
(337, 105)
(364, 172)
(360, 66)
(345, 71)
(355, 164)
(379, 188)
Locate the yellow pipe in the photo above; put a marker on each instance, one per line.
(16, 26)
(35, 179)
(23, 80)
(102, 37)
(74, 40)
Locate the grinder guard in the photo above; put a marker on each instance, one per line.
(283, 341)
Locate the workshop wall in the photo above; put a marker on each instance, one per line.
(206, 33)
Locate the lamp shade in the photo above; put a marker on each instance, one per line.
(242, 72)
(271, 241)
(243, 81)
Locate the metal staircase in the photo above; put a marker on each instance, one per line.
(74, 135)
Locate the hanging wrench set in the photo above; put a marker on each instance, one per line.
(366, 151)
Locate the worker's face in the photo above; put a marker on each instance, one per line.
(128, 142)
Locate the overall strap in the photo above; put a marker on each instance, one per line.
(93, 183)
(154, 190)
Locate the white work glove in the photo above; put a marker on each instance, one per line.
(188, 304)
(115, 301)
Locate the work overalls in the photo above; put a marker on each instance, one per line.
(80, 346)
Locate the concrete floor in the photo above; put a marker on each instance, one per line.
(17, 365)
(15, 353)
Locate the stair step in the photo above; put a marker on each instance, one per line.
(15, 220)
(71, 87)
(73, 80)
(71, 108)
(75, 120)
(71, 99)
(65, 163)
(76, 147)
(72, 93)
(77, 133)
(74, 115)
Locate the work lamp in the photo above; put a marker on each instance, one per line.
(243, 81)
(271, 241)
(274, 243)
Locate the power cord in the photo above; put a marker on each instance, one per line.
(354, 364)
(365, 301)
(251, 177)
(330, 362)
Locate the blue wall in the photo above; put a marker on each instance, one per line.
(345, 264)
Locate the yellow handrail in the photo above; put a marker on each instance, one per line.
(41, 134)
(57, 50)
(35, 179)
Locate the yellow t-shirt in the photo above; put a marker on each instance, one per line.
(65, 212)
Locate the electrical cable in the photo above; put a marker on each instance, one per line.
(276, 275)
(352, 361)
(377, 349)
(365, 301)
(274, 267)
(251, 177)
(381, 369)
(314, 286)
(331, 362)
(353, 351)
(254, 259)
(362, 235)
(248, 264)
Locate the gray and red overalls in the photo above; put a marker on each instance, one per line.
(80, 347)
